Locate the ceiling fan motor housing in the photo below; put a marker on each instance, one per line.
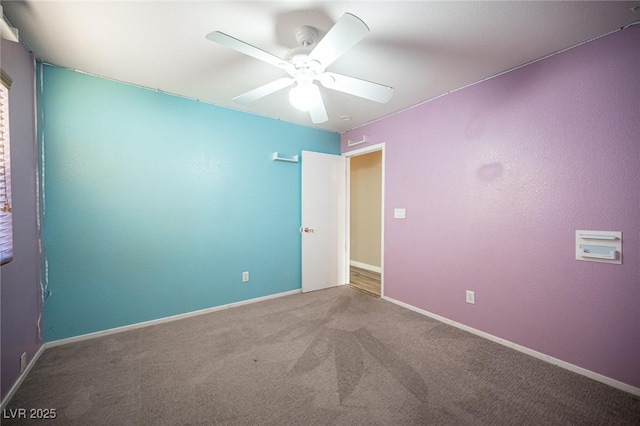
(306, 35)
(303, 69)
(307, 64)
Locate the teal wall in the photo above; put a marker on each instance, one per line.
(155, 204)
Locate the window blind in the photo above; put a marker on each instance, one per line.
(6, 215)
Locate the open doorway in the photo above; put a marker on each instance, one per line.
(365, 219)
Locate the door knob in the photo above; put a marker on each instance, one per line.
(307, 230)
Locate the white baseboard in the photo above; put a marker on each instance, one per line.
(21, 378)
(366, 266)
(165, 319)
(539, 355)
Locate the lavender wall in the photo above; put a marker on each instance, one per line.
(497, 177)
(19, 279)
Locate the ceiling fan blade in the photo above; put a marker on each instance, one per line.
(242, 47)
(318, 113)
(265, 90)
(346, 33)
(355, 86)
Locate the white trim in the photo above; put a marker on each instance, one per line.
(8, 32)
(539, 355)
(365, 150)
(21, 378)
(366, 266)
(165, 319)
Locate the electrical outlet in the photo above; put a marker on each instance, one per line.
(245, 276)
(471, 297)
(23, 362)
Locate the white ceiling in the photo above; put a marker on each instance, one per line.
(422, 48)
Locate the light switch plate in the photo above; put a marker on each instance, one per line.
(399, 213)
(471, 297)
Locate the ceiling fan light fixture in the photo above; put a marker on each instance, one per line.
(304, 96)
(307, 64)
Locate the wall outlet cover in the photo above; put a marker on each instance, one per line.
(23, 362)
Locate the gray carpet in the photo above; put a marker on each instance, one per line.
(331, 357)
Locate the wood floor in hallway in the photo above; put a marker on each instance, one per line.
(365, 280)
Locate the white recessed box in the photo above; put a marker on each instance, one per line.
(599, 246)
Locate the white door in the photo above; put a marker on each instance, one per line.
(323, 220)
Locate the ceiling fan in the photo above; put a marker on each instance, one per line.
(307, 64)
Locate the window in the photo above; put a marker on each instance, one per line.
(6, 217)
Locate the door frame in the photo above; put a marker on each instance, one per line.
(348, 155)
